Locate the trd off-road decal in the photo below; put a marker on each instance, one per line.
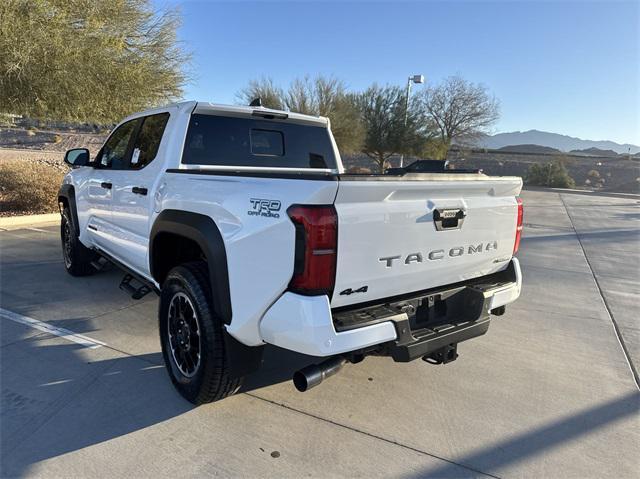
(266, 208)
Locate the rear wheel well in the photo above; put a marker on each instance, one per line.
(170, 250)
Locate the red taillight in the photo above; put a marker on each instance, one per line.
(516, 245)
(314, 269)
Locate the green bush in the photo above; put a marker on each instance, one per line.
(553, 174)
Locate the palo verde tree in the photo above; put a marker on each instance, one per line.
(324, 96)
(81, 60)
(460, 111)
(383, 115)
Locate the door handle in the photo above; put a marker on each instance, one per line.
(138, 190)
(105, 185)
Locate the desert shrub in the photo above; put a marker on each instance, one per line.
(6, 120)
(553, 174)
(28, 187)
(56, 139)
(594, 173)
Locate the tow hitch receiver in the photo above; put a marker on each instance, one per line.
(443, 355)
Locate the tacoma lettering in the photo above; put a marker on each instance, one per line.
(438, 254)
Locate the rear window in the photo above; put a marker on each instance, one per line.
(229, 141)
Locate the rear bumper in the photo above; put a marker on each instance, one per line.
(413, 346)
(404, 328)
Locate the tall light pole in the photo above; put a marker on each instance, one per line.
(412, 79)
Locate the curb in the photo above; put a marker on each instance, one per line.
(16, 222)
(614, 194)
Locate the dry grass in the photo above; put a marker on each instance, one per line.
(29, 187)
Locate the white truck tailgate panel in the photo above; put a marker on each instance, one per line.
(388, 241)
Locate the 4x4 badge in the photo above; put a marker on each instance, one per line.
(350, 291)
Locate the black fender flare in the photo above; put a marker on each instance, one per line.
(68, 193)
(204, 232)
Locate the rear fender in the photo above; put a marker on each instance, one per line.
(201, 229)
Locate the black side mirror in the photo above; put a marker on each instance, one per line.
(77, 157)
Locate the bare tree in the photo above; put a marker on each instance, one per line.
(271, 95)
(327, 96)
(461, 111)
(323, 96)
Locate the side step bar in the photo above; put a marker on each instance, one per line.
(137, 292)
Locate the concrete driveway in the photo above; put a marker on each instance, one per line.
(548, 392)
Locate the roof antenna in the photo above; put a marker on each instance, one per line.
(256, 102)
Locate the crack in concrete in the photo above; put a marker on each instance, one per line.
(616, 328)
(374, 436)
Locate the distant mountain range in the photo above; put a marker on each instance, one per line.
(565, 143)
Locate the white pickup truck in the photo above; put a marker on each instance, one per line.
(243, 221)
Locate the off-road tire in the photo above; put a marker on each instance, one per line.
(77, 257)
(210, 381)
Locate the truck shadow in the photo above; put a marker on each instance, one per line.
(528, 445)
(57, 398)
(278, 367)
(57, 401)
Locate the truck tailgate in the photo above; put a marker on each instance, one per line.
(398, 236)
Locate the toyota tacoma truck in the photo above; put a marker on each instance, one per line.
(243, 221)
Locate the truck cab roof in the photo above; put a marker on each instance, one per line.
(209, 108)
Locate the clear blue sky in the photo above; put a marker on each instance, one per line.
(565, 67)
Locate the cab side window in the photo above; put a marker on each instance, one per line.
(114, 153)
(148, 140)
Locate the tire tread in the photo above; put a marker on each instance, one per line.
(216, 382)
(81, 256)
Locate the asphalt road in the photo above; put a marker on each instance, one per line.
(548, 392)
